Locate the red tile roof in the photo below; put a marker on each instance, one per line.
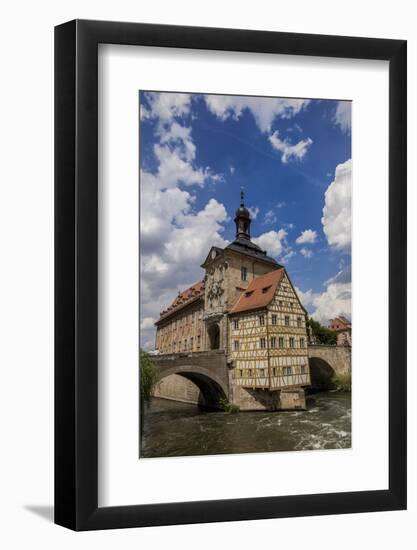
(184, 298)
(259, 293)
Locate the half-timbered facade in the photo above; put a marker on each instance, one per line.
(268, 337)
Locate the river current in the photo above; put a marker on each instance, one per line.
(177, 429)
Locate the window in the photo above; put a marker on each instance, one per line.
(274, 319)
(250, 372)
(291, 305)
(302, 343)
(244, 273)
(274, 371)
(292, 342)
(262, 342)
(303, 369)
(241, 373)
(236, 345)
(280, 342)
(298, 322)
(265, 289)
(287, 321)
(287, 371)
(198, 341)
(236, 324)
(262, 320)
(175, 346)
(191, 343)
(262, 372)
(247, 294)
(185, 345)
(280, 303)
(273, 342)
(179, 345)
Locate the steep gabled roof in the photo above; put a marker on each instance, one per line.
(259, 293)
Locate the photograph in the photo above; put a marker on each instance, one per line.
(245, 274)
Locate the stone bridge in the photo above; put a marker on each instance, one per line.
(207, 372)
(204, 377)
(326, 361)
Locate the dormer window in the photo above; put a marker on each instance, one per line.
(265, 289)
(249, 293)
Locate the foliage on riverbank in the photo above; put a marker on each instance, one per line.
(323, 334)
(228, 407)
(342, 382)
(149, 376)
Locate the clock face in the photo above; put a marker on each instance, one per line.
(213, 254)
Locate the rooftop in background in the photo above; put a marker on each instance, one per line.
(340, 323)
(184, 298)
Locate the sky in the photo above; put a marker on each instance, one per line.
(292, 157)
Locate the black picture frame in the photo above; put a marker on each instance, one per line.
(76, 272)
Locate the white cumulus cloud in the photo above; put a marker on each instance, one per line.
(334, 301)
(172, 244)
(263, 109)
(253, 211)
(343, 115)
(307, 237)
(336, 218)
(272, 241)
(147, 322)
(165, 106)
(289, 151)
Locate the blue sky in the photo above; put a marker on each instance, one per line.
(293, 159)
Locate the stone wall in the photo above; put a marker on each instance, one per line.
(263, 400)
(177, 388)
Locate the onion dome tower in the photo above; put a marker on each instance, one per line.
(242, 220)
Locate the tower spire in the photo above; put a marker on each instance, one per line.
(242, 219)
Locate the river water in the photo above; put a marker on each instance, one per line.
(178, 429)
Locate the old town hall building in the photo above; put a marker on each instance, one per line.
(246, 306)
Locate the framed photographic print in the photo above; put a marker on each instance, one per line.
(230, 275)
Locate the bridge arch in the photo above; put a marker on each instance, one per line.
(212, 388)
(321, 373)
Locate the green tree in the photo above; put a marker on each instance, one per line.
(323, 334)
(148, 377)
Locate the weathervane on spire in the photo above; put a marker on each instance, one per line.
(241, 197)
